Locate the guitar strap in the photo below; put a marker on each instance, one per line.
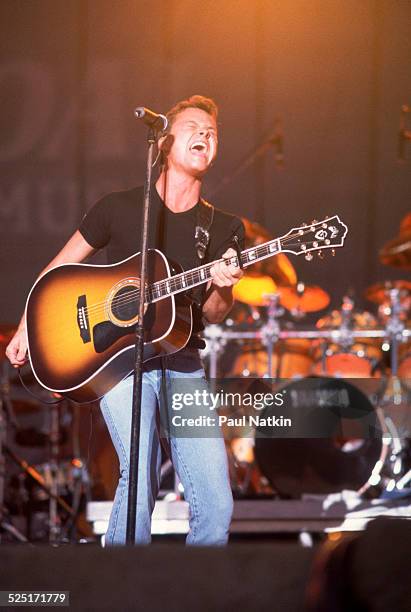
(205, 216)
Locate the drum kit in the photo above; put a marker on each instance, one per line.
(365, 355)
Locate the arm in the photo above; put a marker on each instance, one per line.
(219, 297)
(74, 251)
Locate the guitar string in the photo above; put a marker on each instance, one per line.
(174, 282)
(131, 296)
(153, 291)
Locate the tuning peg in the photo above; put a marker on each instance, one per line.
(333, 252)
(308, 256)
(320, 254)
(314, 221)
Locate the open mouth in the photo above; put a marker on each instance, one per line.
(199, 147)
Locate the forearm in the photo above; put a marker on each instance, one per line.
(218, 303)
(75, 250)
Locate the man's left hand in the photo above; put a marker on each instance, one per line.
(224, 275)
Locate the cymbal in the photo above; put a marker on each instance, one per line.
(281, 269)
(251, 288)
(305, 298)
(379, 292)
(279, 266)
(397, 252)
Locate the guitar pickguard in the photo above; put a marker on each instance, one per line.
(106, 333)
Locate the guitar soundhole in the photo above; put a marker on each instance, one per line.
(124, 305)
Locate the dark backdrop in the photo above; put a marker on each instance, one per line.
(336, 73)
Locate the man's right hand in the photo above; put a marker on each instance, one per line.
(16, 351)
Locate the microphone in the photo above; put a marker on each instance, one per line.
(154, 120)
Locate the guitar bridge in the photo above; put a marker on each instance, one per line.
(82, 319)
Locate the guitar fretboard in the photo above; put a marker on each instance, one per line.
(197, 276)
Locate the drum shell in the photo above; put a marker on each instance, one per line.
(290, 359)
(359, 361)
(318, 465)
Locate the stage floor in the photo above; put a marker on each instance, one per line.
(313, 514)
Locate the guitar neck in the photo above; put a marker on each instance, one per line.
(319, 235)
(192, 278)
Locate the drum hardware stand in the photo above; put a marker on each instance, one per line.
(221, 336)
(59, 533)
(31, 471)
(297, 313)
(394, 393)
(346, 335)
(270, 332)
(5, 408)
(216, 341)
(395, 329)
(54, 519)
(81, 477)
(346, 321)
(346, 327)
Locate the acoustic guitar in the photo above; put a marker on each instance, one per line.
(81, 317)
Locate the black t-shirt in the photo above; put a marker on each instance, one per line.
(114, 222)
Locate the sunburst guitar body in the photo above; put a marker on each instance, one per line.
(81, 324)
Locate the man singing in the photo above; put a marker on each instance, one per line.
(188, 149)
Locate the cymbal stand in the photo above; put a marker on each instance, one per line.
(393, 394)
(270, 332)
(345, 329)
(346, 321)
(6, 409)
(81, 479)
(395, 328)
(54, 519)
(216, 341)
(297, 312)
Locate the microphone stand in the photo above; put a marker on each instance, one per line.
(152, 137)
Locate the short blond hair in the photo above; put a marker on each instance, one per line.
(206, 104)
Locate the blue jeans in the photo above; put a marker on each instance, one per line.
(201, 463)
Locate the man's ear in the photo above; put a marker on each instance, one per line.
(164, 144)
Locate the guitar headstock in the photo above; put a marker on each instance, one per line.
(316, 236)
